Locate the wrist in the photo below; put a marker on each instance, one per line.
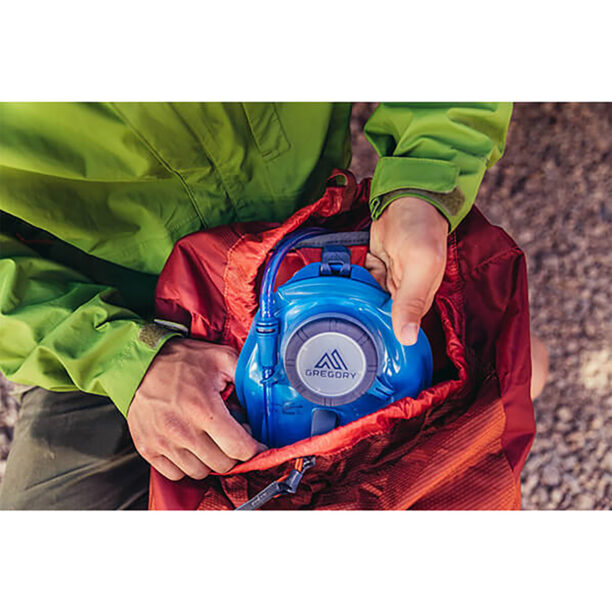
(131, 365)
(417, 210)
(441, 202)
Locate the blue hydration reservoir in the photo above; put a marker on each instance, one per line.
(321, 351)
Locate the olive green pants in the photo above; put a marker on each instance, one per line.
(72, 451)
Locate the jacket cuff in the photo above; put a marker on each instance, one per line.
(445, 203)
(129, 367)
(432, 180)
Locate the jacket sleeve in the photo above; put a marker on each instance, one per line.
(60, 331)
(436, 151)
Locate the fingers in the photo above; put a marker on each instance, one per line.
(417, 274)
(410, 238)
(211, 440)
(377, 268)
(189, 464)
(227, 433)
(166, 468)
(178, 420)
(410, 303)
(206, 458)
(207, 451)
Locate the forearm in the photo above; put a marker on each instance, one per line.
(438, 152)
(60, 331)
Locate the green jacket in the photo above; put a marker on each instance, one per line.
(94, 196)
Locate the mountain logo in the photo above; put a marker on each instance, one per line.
(334, 361)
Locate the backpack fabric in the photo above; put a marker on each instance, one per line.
(460, 445)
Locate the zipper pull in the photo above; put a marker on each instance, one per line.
(286, 485)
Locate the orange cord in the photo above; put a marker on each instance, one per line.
(299, 464)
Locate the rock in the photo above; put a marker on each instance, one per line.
(541, 497)
(556, 497)
(537, 460)
(563, 427)
(576, 439)
(570, 462)
(584, 501)
(530, 484)
(551, 476)
(602, 490)
(600, 451)
(606, 462)
(572, 483)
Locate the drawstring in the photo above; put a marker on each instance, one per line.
(285, 485)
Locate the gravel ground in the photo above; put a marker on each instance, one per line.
(552, 191)
(8, 418)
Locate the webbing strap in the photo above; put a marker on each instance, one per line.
(286, 485)
(337, 238)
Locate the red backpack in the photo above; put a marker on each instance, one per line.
(461, 444)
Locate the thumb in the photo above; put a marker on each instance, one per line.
(411, 301)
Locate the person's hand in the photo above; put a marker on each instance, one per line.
(408, 257)
(178, 419)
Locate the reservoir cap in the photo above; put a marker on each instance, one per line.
(331, 361)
